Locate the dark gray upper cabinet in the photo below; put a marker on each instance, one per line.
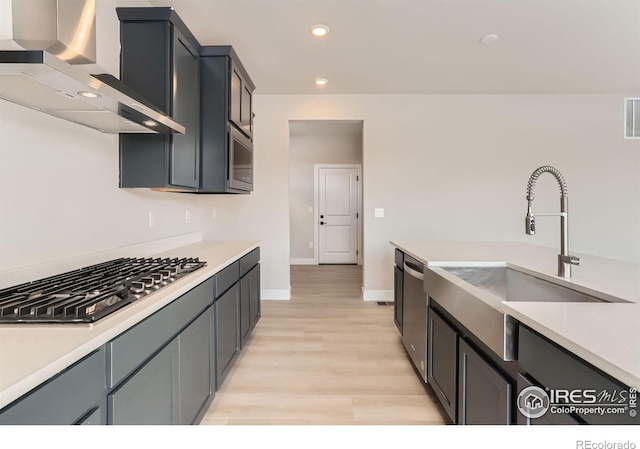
(160, 60)
(226, 116)
(240, 105)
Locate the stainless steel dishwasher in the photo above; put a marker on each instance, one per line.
(414, 315)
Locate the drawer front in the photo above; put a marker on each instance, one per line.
(151, 395)
(131, 349)
(64, 399)
(249, 261)
(399, 256)
(227, 277)
(557, 369)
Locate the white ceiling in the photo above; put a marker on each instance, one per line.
(427, 46)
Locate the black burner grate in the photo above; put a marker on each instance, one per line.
(88, 294)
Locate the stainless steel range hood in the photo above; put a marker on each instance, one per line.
(38, 50)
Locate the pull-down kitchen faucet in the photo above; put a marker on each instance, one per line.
(564, 259)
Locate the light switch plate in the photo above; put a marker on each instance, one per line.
(378, 212)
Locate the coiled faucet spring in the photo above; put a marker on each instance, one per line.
(531, 185)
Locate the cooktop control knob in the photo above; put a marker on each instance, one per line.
(137, 287)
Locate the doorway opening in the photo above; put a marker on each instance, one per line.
(326, 192)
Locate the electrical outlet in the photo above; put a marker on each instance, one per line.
(213, 214)
(152, 219)
(311, 245)
(187, 216)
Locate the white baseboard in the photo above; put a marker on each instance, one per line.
(303, 261)
(270, 294)
(377, 295)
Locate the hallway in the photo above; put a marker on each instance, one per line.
(325, 357)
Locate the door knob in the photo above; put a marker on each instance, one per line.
(322, 222)
(321, 216)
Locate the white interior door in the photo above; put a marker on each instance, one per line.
(338, 215)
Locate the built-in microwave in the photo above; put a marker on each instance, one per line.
(240, 170)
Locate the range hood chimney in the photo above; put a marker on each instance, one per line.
(43, 45)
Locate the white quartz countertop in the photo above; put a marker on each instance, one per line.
(603, 334)
(32, 353)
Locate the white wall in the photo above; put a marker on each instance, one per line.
(454, 167)
(443, 167)
(319, 144)
(59, 194)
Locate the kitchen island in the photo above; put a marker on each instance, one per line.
(603, 334)
(34, 353)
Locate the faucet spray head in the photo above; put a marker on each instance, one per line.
(530, 224)
(530, 219)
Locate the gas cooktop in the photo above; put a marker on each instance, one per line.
(88, 294)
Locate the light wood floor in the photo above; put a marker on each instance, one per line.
(325, 357)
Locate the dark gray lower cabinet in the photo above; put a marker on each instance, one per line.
(227, 334)
(174, 386)
(151, 395)
(397, 297)
(556, 369)
(75, 396)
(93, 418)
(484, 394)
(564, 419)
(163, 370)
(398, 281)
(254, 302)
(197, 366)
(443, 362)
(249, 303)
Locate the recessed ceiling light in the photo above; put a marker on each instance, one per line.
(150, 123)
(489, 39)
(88, 94)
(319, 30)
(321, 81)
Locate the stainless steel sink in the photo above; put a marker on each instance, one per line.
(474, 295)
(513, 285)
